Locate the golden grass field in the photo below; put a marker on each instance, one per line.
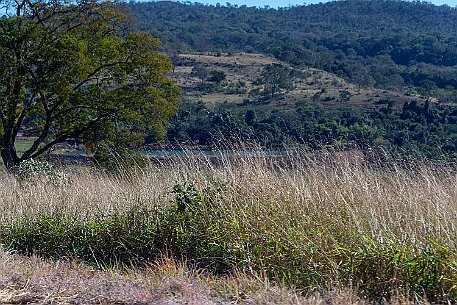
(324, 228)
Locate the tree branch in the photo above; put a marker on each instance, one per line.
(93, 73)
(63, 137)
(40, 139)
(18, 124)
(3, 118)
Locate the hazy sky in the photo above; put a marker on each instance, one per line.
(285, 3)
(280, 3)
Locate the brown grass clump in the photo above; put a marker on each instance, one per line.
(32, 280)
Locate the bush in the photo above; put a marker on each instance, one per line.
(32, 169)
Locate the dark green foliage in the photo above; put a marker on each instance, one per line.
(388, 44)
(273, 78)
(73, 71)
(217, 76)
(427, 130)
(194, 123)
(250, 117)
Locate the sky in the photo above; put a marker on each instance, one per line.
(281, 3)
(286, 3)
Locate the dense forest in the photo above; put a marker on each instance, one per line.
(409, 47)
(386, 44)
(421, 130)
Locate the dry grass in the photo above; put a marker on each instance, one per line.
(317, 222)
(31, 280)
(248, 67)
(407, 205)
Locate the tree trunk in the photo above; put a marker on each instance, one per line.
(8, 158)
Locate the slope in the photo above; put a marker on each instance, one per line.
(382, 44)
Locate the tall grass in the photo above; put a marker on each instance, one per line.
(315, 222)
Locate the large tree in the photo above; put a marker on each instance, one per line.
(73, 70)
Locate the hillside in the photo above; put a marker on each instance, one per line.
(391, 45)
(242, 86)
(341, 74)
(252, 97)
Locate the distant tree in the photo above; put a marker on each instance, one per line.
(345, 95)
(273, 78)
(217, 76)
(71, 70)
(201, 72)
(173, 54)
(250, 117)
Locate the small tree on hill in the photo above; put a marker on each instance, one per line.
(71, 70)
(217, 76)
(273, 78)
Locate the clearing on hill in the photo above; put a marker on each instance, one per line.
(241, 84)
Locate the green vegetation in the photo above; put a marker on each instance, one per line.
(273, 78)
(73, 71)
(420, 130)
(396, 45)
(352, 203)
(328, 221)
(390, 84)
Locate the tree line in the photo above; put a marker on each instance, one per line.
(427, 130)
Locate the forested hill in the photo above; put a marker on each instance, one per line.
(386, 44)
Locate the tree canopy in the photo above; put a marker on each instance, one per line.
(395, 45)
(74, 70)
